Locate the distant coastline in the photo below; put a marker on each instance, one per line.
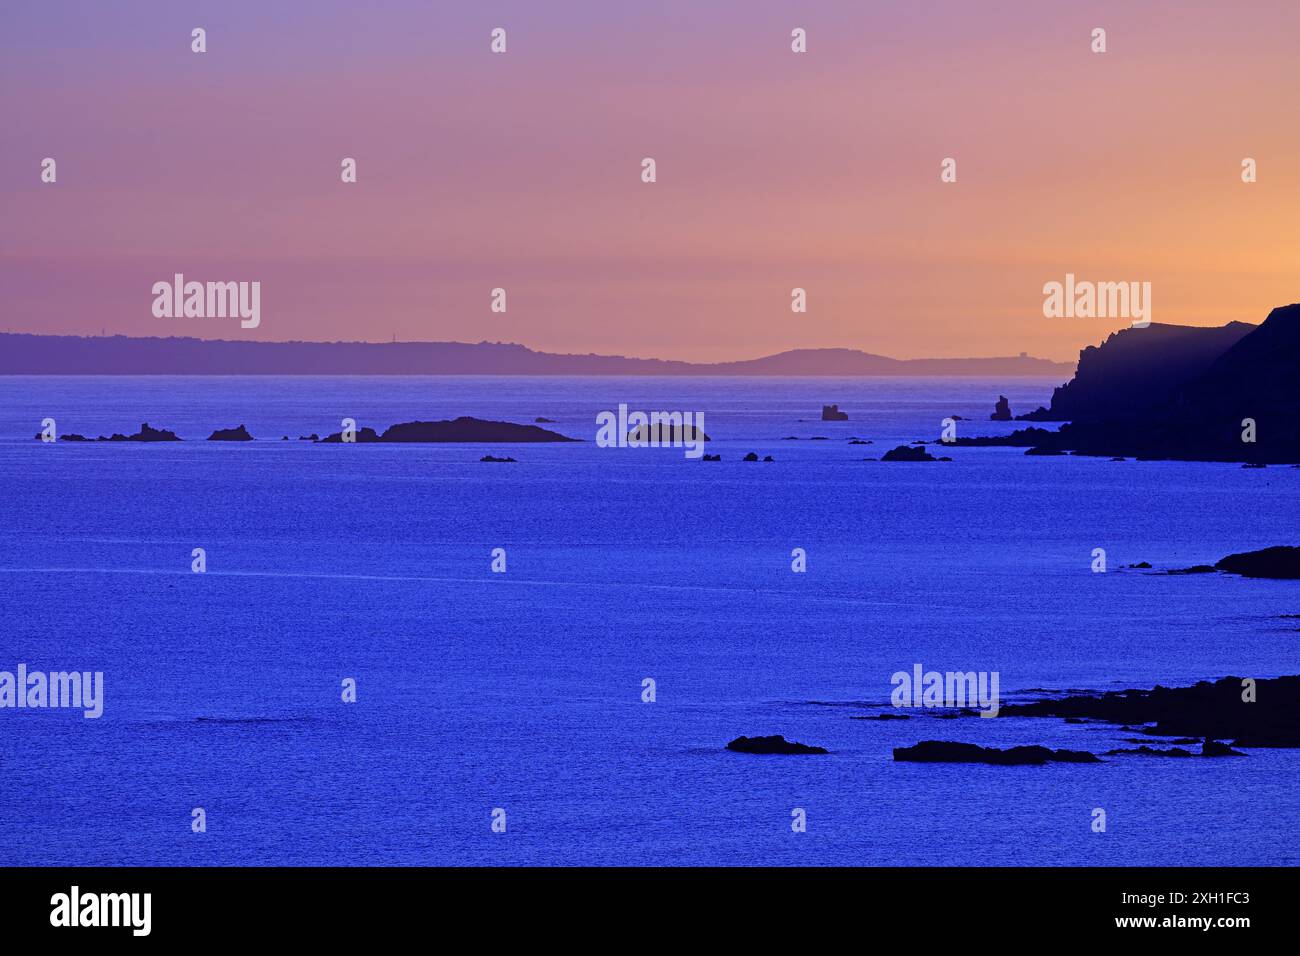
(28, 354)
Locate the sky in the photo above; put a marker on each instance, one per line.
(522, 170)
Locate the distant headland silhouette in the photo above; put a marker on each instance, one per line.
(29, 354)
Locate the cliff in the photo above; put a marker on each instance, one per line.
(1135, 368)
(1171, 399)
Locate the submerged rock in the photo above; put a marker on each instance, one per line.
(884, 716)
(1145, 751)
(1210, 748)
(943, 751)
(776, 744)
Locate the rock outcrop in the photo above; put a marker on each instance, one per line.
(665, 434)
(458, 430)
(1277, 562)
(231, 434)
(907, 453)
(1134, 368)
(1001, 411)
(832, 413)
(144, 434)
(942, 751)
(1217, 711)
(772, 745)
(1241, 406)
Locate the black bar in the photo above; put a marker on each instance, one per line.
(949, 906)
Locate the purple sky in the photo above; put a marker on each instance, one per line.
(521, 170)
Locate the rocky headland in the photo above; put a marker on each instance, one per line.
(1170, 392)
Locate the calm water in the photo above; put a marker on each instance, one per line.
(523, 690)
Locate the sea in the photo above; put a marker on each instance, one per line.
(351, 682)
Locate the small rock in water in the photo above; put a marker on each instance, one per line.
(776, 744)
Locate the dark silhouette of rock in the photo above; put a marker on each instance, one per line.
(1145, 751)
(459, 430)
(1196, 569)
(544, 421)
(494, 458)
(1141, 565)
(942, 751)
(768, 458)
(144, 434)
(772, 745)
(750, 457)
(231, 434)
(884, 716)
(906, 453)
(1002, 411)
(1044, 451)
(1212, 748)
(711, 458)
(1214, 710)
(1134, 368)
(364, 436)
(832, 413)
(1242, 405)
(666, 434)
(1276, 562)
